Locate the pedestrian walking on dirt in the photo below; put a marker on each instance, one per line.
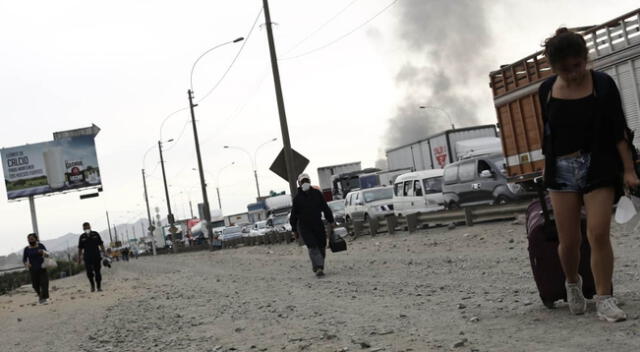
(588, 160)
(306, 221)
(90, 248)
(33, 259)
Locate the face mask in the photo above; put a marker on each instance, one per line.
(87, 231)
(306, 186)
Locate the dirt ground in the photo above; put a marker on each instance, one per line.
(466, 289)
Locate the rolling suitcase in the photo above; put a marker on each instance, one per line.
(543, 253)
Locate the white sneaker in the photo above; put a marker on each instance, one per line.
(608, 310)
(575, 298)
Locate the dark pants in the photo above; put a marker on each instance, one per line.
(40, 282)
(316, 241)
(92, 266)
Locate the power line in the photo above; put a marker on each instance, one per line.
(342, 36)
(175, 141)
(321, 26)
(244, 43)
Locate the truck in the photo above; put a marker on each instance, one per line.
(325, 174)
(436, 151)
(278, 205)
(347, 182)
(381, 178)
(614, 48)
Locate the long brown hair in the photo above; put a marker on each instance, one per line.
(565, 44)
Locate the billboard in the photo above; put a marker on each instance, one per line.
(50, 167)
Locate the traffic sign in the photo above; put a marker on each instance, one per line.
(151, 228)
(279, 167)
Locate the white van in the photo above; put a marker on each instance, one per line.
(418, 192)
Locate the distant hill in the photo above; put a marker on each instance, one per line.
(70, 240)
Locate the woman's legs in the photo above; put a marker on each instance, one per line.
(566, 208)
(598, 204)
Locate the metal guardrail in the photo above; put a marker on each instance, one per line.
(391, 223)
(468, 215)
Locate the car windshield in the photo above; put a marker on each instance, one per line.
(336, 206)
(280, 220)
(230, 230)
(378, 194)
(261, 224)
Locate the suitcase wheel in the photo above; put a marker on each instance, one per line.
(548, 304)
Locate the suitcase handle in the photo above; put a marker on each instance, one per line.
(543, 202)
(552, 235)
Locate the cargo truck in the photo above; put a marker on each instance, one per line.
(436, 151)
(327, 173)
(381, 178)
(347, 182)
(614, 48)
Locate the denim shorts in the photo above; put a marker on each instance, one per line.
(571, 173)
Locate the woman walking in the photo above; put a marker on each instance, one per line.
(33, 259)
(588, 162)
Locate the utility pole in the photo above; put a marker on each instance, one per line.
(255, 174)
(146, 200)
(203, 184)
(288, 154)
(219, 201)
(109, 227)
(166, 192)
(191, 208)
(115, 230)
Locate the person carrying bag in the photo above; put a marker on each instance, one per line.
(33, 257)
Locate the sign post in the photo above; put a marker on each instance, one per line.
(34, 217)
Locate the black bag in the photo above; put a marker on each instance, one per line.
(543, 254)
(337, 243)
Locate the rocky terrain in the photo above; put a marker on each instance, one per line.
(465, 289)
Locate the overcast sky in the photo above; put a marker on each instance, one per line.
(125, 66)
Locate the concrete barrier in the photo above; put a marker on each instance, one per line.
(412, 222)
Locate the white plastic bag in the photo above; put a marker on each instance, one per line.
(627, 209)
(49, 263)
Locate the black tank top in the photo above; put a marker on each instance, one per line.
(571, 122)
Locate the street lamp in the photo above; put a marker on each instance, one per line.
(218, 183)
(146, 200)
(203, 184)
(170, 216)
(441, 109)
(253, 159)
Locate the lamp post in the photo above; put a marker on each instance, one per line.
(218, 183)
(170, 217)
(146, 200)
(453, 127)
(203, 184)
(253, 159)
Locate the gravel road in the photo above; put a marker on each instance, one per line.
(466, 289)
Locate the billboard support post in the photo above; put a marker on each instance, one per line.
(34, 217)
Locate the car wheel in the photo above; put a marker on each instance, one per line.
(347, 219)
(366, 217)
(453, 205)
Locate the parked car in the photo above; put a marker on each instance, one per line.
(260, 228)
(479, 180)
(279, 223)
(370, 203)
(230, 233)
(418, 192)
(338, 209)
